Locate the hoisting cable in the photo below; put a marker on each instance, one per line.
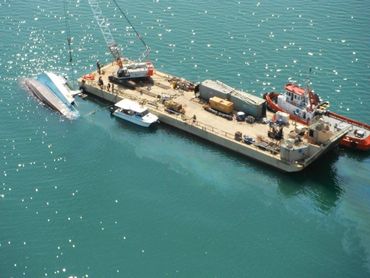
(147, 48)
(68, 31)
(69, 38)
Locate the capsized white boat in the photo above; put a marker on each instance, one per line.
(133, 112)
(47, 96)
(58, 84)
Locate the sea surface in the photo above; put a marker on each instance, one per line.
(98, 197)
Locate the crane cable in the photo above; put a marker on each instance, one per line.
(68, 30)
(69, 38)
(147, 48)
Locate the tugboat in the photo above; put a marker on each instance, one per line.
(302, 105)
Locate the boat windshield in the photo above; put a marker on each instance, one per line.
(142, 114)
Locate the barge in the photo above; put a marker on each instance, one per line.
(177, 103)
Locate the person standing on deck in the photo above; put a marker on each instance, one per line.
(100, 83)
(98, 67)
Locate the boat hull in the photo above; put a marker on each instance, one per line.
(46, 95)
(353, 142)
(132, 119)
(61, 89)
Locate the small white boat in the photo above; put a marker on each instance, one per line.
(133, 112)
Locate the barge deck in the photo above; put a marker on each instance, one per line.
(195, 120)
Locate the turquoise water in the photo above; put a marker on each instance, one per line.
(97, 197)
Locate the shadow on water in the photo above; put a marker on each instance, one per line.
(131, 127)
(100, 102)
(357, 155)
(319, 182)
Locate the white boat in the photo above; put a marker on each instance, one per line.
(133, 112)
(59, 86)
(47, 96)
(54, 90)
(63, 86)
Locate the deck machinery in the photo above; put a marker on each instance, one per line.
(127, 70)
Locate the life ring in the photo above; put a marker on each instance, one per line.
(89, 76)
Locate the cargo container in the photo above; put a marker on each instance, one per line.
(245, 102)
(211, 88)
(249, 104)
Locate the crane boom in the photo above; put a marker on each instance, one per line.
(146, 52)
(104, 27)
(128, 71)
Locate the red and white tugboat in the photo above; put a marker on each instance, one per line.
(302, 104)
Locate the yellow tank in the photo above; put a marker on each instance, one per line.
(221, 105)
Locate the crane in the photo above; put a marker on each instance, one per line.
(127, 71)
(104, 28)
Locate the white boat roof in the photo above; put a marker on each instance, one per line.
(128, 104)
